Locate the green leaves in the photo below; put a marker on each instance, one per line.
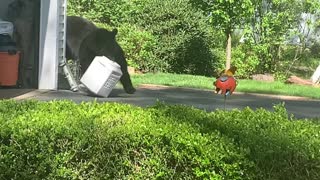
(64, 140)
(183, 38)
(226, 14)
(187, 36)
(111, 12)
(157, 36)
(278, 26)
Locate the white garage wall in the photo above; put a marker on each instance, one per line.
(52, 45)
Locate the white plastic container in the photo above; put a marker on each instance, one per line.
(101, 76)
(6, 27)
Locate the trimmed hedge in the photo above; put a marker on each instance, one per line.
(279, 146)
(64, 140)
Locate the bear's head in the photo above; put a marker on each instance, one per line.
(105, 43)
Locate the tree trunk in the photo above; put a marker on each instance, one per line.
(228, 51)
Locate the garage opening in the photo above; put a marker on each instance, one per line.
(24, 15)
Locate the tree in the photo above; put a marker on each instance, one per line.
(276, 26)
(227, 15)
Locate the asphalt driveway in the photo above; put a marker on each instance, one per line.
(148, 95)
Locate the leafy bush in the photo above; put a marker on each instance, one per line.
(279, 146)
(138, 45)
(57, 140)
(172, 36)
(165, 36)
(184, 37)
(246, 63)
(110, 12)
(64, 140)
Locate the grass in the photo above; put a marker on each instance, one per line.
(249, 86)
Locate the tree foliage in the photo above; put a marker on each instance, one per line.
(183, 36)
(180, 38)
(268, 36)
(276, 27)
(226, 15)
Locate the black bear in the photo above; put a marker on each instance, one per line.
(85, 41)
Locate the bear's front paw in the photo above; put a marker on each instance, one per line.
(130, 90)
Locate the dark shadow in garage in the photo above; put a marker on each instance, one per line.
(25, 18)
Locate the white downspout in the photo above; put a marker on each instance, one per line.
(62, 45)
(48, 45)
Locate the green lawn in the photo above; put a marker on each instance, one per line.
(202, 82)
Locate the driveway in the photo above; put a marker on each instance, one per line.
(147, 95)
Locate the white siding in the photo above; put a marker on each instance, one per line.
(52, 42)
(62, 30)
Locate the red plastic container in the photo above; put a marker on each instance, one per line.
(9, 69)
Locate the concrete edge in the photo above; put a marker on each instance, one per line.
(282, 97)
(30, 94)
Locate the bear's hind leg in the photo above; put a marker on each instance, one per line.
(125, 78)
(126, 82)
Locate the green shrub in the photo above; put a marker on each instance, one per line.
(183, 34)
(245, 62)
(158, 36)
(138, 45)
(279, 146)
(111, 12)
(64, 140)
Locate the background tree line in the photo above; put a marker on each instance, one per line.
(192, 37)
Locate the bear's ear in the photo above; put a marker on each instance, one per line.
(115, 31)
